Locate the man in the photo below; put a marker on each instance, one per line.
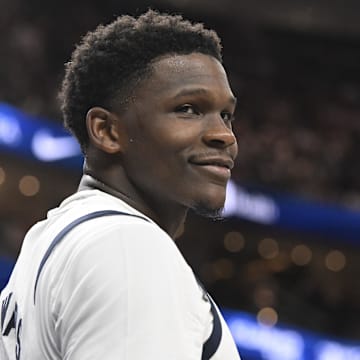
(101, 277)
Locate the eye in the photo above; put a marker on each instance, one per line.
(227, 116)
(187, 109)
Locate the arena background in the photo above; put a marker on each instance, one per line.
(284, 263)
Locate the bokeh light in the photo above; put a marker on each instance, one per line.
(29, 185)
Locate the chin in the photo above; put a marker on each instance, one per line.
(208, 200)
(203, 210)
(212, 207)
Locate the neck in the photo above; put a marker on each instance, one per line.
(170, 218)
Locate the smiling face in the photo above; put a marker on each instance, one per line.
(182, 147)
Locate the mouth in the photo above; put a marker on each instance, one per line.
(218, 168)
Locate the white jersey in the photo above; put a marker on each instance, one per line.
(115, 287)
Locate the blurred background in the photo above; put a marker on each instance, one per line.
(284, 262)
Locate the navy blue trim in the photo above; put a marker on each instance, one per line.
(68, 228)
(4, 309)
(212, 343)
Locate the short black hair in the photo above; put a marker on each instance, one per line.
(111, 60)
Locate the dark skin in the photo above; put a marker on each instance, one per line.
(173, 147)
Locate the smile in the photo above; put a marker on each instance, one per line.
(218, 168)
(218, 171)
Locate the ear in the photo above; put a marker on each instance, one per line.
(103, 129)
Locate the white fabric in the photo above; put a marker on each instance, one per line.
(115, 287)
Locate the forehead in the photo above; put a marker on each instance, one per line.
(172, 72)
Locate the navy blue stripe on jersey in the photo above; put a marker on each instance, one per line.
(68, 228)
(213, 342)
(4, 308)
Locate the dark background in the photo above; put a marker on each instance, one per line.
(294, 66)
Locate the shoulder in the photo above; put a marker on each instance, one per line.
(122, 257)
(93, 216)
(122, 230)
(115, 245)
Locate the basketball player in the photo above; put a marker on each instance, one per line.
(101, 278)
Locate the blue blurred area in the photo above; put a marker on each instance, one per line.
(261, 342)
(291, 212)
(6, 266)
(37, 138)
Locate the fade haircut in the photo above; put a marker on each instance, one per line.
(112, 60)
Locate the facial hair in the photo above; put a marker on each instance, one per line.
(205, 211)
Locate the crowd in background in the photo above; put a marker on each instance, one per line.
(308, 146)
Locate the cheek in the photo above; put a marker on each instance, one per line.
(170, 143)
(161, 146)
(154, 162)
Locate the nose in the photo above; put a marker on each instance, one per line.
(218, 134)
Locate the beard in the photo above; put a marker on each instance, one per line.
(206, 211)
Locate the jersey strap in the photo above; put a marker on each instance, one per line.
(211, 344)
(68, 228)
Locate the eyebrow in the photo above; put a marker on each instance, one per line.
(199, 91)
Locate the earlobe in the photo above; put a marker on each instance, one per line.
(102, 130)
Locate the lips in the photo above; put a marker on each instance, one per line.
(213, 161)
(218, 168)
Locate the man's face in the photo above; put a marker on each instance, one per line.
(182, 146)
